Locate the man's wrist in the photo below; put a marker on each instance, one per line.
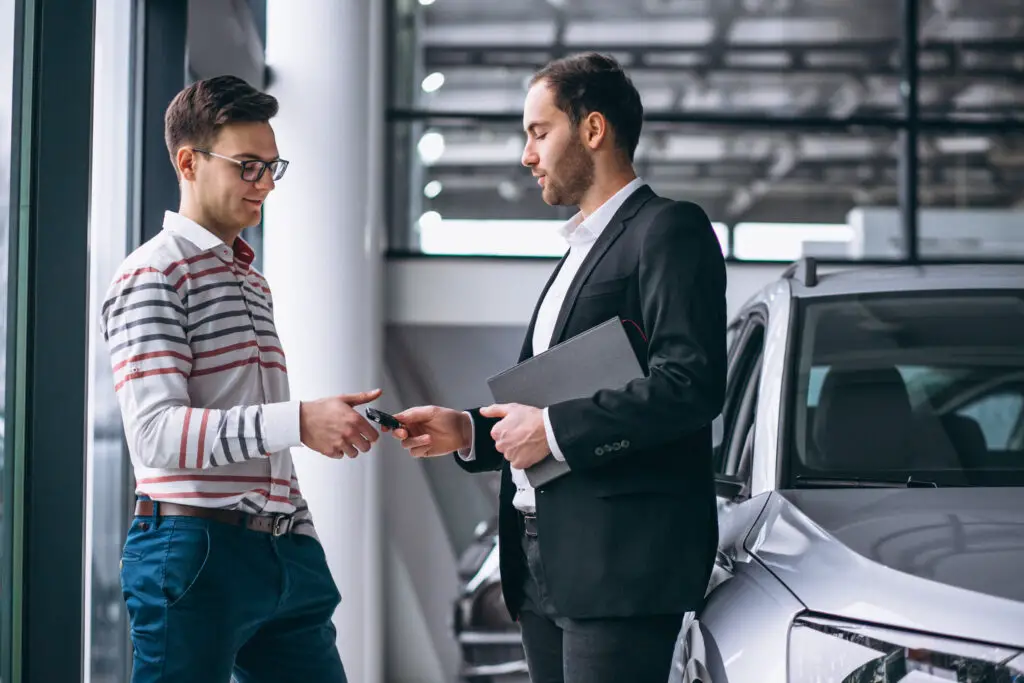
(465, 431)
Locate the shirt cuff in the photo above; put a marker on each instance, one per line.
(281, 426)
(552, 444)
(468, 454)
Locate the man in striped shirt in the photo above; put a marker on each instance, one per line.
(222, 571)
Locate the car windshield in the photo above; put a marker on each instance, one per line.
(892, 387)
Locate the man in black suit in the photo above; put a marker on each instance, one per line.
(599, 566)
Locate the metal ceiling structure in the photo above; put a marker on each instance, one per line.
(759, 110)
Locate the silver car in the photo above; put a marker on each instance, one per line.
(870, 469)
(870, 466)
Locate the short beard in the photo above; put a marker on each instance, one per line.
(576, 175)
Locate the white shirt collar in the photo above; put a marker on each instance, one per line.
(578, 230)
(192, 231)
(206, 240)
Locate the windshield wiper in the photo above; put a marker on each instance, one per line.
(861, 482)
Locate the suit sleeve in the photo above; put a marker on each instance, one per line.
(485, 458)
(682, 289)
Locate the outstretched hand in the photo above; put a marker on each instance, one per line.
(429, 431)
(332, 427)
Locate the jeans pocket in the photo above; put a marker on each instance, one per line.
(188, 552)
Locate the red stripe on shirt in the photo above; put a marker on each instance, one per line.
(237, 347)
(148, 373)
(202, 439)
(192, 259)
(196, 476)
(202, 273)
(184, 438)
(238, 364)
(138, 271)
(153, 354)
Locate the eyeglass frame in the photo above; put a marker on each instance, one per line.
(263, 165)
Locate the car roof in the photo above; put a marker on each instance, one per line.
(901, 278)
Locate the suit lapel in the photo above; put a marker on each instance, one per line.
(604, 242)
(527, 350)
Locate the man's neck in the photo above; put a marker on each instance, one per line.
(605, 187)
(227, 235)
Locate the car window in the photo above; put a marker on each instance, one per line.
(998, 415)
(744, 369)
(892, 386)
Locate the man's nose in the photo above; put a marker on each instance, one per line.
(266, 181)
(529, 157)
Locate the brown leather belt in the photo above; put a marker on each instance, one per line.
(277, 525)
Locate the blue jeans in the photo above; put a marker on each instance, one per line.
(208, 600)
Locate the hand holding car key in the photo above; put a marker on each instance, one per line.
(383, 419)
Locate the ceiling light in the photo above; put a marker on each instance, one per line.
(431, 147)
(433, 82)
(432, 189)
(426, 3)
(431, 220)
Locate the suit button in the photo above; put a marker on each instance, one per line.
(616, 446)
(625, 443)
(598, 451)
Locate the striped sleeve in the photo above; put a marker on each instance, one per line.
(144, 323)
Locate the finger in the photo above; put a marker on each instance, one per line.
(417, 442)
(401, 434)
(350, 450)
(362, 443)
(415, 415)
(367, 431)
(423, 452)
(496, 410)
(362, 397)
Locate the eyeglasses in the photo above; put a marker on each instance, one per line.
(252, 169)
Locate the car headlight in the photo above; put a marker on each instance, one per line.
(825, 650)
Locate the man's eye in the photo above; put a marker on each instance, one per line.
(542, 136)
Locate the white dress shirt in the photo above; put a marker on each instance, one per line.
(580, 234)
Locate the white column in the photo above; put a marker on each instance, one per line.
(322, 256)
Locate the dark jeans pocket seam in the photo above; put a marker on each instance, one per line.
(202, 566)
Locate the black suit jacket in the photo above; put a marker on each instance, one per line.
(632, 530)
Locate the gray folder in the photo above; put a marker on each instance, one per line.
(600, 358)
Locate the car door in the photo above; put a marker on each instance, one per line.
(734, 441)
(734, 452)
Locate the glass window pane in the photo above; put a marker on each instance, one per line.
(460, 188)
(969, 56)
(6, 97)
(971, 195)
(107, 489)
(823, 59)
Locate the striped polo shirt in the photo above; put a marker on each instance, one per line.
(201, 376)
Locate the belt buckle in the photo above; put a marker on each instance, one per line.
(276, 528)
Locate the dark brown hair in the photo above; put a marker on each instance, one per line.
(590, 82)
(196, 114)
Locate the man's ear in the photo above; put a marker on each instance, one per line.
(185, 163)
(594, 130)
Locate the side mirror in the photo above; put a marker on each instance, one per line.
(728, 487)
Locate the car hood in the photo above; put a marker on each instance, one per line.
(943, 560)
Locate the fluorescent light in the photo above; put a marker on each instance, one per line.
(425, 3)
